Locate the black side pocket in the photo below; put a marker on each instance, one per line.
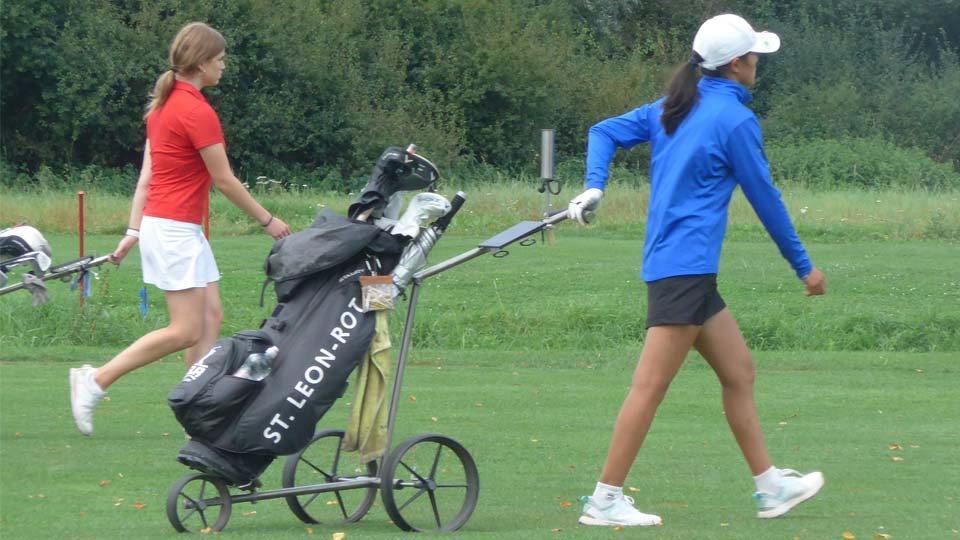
(220, 360)
(209, 397)
(212, 412)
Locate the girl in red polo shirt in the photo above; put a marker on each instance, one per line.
(184, 154)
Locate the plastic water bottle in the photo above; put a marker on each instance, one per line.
(257, 366)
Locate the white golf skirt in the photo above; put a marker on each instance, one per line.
(175, 255)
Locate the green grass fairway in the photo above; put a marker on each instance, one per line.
(582, 294)
(525, 360)
(883, 428)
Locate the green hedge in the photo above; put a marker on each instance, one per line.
(869, 163)
(872, 163)
(317, 89)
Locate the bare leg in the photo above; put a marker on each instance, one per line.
(212, 319)
(663, 353)
(722, 345)
(185, 330)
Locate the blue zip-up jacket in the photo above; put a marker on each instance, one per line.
(692, 176)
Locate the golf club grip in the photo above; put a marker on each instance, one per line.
(455, 204)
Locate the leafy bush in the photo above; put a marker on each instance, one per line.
(65, 178)
(850, 162)
(318, 89)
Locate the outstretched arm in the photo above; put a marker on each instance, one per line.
(605, 137)
(603, 140)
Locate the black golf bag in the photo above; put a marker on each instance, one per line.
(239, 426)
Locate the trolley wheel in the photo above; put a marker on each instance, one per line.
(430, 483)
(192, 501)
(322, 462)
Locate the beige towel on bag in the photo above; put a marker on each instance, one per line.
(367, 426)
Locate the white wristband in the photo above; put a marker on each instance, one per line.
(132, 232)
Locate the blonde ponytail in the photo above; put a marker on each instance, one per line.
(161, 91)
(195, 44)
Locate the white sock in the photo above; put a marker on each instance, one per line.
(93, 382)
(768, 481)
(605, 494)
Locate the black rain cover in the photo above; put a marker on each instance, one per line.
(330, 240)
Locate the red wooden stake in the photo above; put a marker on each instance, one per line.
(80, 219)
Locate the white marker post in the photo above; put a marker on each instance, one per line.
(546, 175)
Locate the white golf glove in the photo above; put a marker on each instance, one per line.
(588, 200)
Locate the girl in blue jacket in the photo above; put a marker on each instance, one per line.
(704, 143)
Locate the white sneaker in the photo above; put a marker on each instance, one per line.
(85, 395)
(618, 513)
(794, 489)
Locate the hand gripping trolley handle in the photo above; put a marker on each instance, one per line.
(429, 482)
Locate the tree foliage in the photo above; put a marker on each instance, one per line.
(323, 87)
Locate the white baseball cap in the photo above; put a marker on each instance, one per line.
(728, 36)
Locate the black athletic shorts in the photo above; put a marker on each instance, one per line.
(683, 300)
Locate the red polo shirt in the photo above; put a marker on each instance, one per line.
(179, 182)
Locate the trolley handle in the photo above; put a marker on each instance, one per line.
(562, 214)
(458, 200)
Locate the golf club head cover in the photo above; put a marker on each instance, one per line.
(422, 208)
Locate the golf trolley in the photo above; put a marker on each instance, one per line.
(429, 482)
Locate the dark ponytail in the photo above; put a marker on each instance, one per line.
(681, 94)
